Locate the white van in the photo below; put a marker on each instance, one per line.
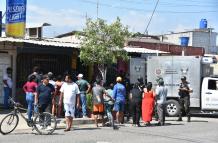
(197, 71)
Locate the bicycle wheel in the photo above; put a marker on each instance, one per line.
(9, 123)
(45, 123)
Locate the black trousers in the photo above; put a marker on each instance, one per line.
(184, 105)
(136, 111)
(42, 118)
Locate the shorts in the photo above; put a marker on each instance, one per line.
(98, 109)
(119, 106)
(69, 110)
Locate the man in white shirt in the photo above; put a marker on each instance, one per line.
(69, 94)
(7, 82)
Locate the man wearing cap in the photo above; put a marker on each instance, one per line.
(84, 88)
(184, 101)
(119, 93)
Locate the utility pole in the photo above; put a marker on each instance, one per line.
(86, 16)
(97, 7)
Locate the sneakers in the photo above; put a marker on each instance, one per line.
(39, 127)
(188, 119)
(180, 119)
(85, 117)
(30, 123)
(138, 125)
(48, 128)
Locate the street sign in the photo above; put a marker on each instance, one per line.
(15, 18)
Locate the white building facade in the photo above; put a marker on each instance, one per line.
(197, 38)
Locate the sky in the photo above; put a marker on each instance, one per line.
(170, 15)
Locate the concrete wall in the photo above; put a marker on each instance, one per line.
(175, 38)
(207, 40)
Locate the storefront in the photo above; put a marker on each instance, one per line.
(22, 55)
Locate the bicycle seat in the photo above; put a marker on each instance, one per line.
(18, 104)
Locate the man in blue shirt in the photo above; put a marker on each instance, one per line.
(44, 94)
(119, 93)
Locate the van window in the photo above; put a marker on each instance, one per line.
(212, 84)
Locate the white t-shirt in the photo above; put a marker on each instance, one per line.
(8, 79)
(70, 90)
(52, 82)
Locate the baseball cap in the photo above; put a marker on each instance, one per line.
(80, 75)
(50, 73)
(183, 78)
(161, 81)
(119, 79)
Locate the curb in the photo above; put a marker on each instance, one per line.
(76, 121)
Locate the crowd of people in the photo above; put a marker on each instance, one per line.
(64, 94)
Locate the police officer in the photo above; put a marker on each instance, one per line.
(184, 101)
(141, 84)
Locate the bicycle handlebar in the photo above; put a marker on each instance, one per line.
(16, 104)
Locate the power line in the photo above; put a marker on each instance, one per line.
(178, 3)
(146, 29)
(138, 9)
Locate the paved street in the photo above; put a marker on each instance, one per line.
(200, 130)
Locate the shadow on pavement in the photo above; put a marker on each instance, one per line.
(31, 133)
(203, 121)
(166, 124)
(190, 121)
(86, 128)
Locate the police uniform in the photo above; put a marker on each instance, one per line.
(184, 100)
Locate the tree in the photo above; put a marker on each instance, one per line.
(102, 44)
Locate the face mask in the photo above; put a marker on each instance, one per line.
(9, 75)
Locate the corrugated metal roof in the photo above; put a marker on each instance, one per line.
(142, 50)
(148, 40)
(74, 44)
(45, 42)
(36, 25)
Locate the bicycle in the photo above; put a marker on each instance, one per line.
(43, 123)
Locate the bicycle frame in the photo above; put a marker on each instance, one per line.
(17, 110)
(41, 122)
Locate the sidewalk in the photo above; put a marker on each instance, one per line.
(60, 121)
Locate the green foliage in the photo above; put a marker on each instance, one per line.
(103, 43)
(89, 101)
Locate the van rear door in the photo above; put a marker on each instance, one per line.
(209, 94)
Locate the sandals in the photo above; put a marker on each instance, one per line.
(67, 129)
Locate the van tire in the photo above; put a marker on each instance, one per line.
(172, 108)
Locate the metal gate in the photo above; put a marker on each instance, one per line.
(57, 64)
